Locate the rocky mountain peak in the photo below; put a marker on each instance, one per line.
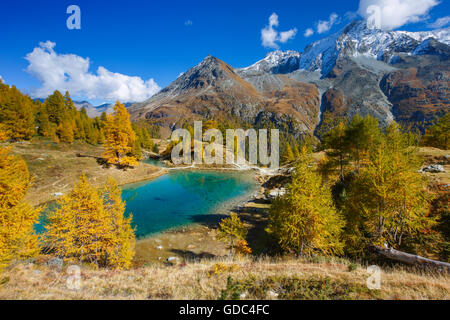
(208, 73)
(276, 62)
(432, 47)
(209, 60)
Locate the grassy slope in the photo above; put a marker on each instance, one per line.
(55, 167)
(263, 279)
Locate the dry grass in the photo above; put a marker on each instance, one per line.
(207, 279)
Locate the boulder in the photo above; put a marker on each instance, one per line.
(434, 168)
(277, 192)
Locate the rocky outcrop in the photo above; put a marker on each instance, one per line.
(434, 168)
(276, 62)
(355, 90)
(333, 101)
(419, 92)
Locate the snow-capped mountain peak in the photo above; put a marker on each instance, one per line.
(275, 62)
(356, 39)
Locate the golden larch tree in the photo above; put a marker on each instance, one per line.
(122, 249)
(88, 225)
(388, 199)
(65, 132)
(17, 217)
(119, 137)
(79, 227)
(304, 220)
(17, 113)
(438, 135)
(288, 155)
(232, 229)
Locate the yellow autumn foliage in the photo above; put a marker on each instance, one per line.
(17, 218)
(242, 248)
(89, 226)
(304, 220)
(119, 138)
(230, 230)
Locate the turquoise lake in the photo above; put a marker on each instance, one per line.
(183, 197)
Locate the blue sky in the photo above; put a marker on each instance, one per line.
(155, 40)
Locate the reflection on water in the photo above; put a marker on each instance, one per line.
(178, 198)
(156, 162)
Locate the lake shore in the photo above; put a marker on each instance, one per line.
(142, 172)
(198, 241)
(56, 167)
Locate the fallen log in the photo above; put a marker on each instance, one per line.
(408, 258)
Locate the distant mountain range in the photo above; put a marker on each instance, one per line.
(91, 110)
(94, 111)
(392, 75)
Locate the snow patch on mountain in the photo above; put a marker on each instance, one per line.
(441, 35)
(275, 62)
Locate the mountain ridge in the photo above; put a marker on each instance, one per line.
(341, 75)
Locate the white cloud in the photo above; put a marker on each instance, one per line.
(188, 23)
(324, 26)
(1, 79)
(350, 15)
(308, 32)
(440, 23)
(286, 35)
(270, 36)
(396, 13)
(71, 72)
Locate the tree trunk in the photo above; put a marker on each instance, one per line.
(231, 248)
(408, 258)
